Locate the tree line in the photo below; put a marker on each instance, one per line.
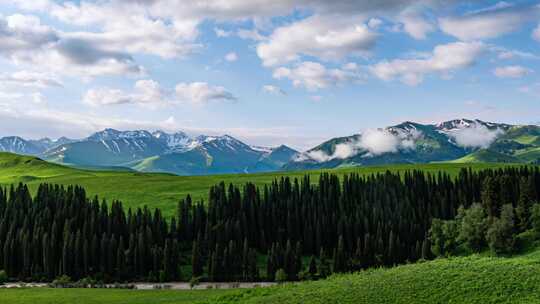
(287, 230)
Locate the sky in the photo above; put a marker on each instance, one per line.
(293, 72)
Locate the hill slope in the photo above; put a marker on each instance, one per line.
(472, 279)
(159, 190)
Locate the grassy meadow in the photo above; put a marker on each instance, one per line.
(163, 191)
(107, 296)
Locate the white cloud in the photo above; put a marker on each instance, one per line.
(25, 41)
(318, 36)
(487, 24)
(231, 57)
(146, 92)
(201, 92)
(154, 34)
(443, 60)
(21, 34)
(273, 90)
(29, 79)
(378, 142)
(475, 136)
(512, 54)
(222, 33)
(497, 6)
(314, 76)
(415, 24)
(374, 23)
(369, 143)
(512, 71)
(250, 35)
(38, 98)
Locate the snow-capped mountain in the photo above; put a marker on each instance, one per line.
(460, 124)
(180, 153)
(411, 142)
(18, 145)
(158, 151)
(176, 142)
(15, 144)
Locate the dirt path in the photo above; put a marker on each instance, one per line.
(157, 286)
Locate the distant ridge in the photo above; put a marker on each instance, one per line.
(458, 140)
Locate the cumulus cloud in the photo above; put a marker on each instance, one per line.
(201, 92)
(272, 89)
(513, 54)
(512, 71)
(314, 76)
(150, 93)
(490, 23)
(443, 60)
(374, 23)
(379, 141)
(222, 33)
(156, 34)
(415, 24)
(29, 79)
(253, 34)
(38, 98)
(26, 41)
(146, 92)
(318, 36)
(475, 136)
(21, 34)
(231, 57)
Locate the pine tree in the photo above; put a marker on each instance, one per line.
(196, 260)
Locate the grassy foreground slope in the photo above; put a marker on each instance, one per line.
(163, 191)
(472, 279)
(106, 296)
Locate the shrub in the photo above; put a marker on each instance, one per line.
(281, 276)
(535, 218)
(63, 281)
(194, 282)
(3, 277)
(473, 227)
(443, 236)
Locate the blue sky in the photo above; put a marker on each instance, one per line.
(295, 72)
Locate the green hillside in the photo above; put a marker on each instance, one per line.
(472, 279)
(164, 190)
(487, 156)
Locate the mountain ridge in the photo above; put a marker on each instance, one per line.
(179, 153)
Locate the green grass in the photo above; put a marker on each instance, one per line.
(487, 156)
(164, 190)
(527, 139)
(473, 279)
(106, 296)
(529, 154)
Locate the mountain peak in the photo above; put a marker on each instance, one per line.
(111, 134)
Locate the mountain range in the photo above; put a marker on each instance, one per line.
(459, 140)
